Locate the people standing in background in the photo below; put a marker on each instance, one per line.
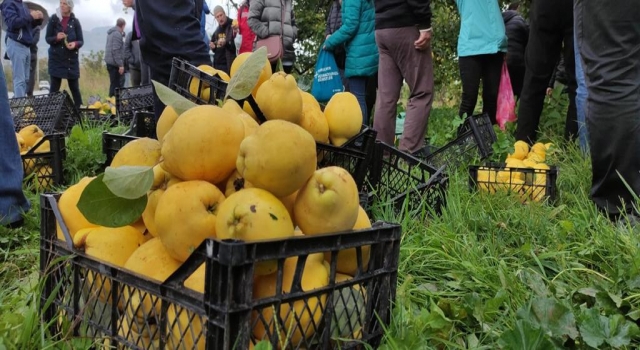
(482, 43)
(33, 65)
(169, 28)
(136, 34)
(357, 36)
(334, 21)
(248, 36)
(266, 19)
(518, 35)
(550, 36)
(114, 56)
(64, 36)
(403, 34)
(132, 56)
(222, 43)
(20, 23)
(608, 37)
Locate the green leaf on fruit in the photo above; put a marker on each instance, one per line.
(242, 83)
(349, 304)
(129, 182)
(101, 207)
(615, 330)
(553, 317)
(263, 345)
(172, 98)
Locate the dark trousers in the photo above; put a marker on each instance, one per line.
(473, 69)
(551, 27)
(372, 91)
(74, 86)
(116, 80)
(516, 75)
(136, 76)
(608, 35)
(32, 74)
(286, 69)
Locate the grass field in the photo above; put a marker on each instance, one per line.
(489, 273)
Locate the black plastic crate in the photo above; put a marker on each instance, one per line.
(183, 74)
(226, 316)
(133, 99)
(527, 183)
(401, 181)
(475, 139)
(355, 162)
(53, 112)
(112, 143)
(45, 169)
(144, 125)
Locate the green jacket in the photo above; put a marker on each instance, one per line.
(357, 33)
(481, 28)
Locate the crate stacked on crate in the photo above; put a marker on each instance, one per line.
(195, 84)
(43, 162)
(53, 112)
(227, 307)
(475, 139)
(401, 182)
(133, 99)
(524, 173)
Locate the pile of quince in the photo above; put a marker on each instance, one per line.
(218, 173)
(31, 141)
(529, 184)
(106, 107)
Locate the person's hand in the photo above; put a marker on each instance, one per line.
(221, 42)
(61, 36)
(35, 14)
(549, 91)
(212, 45)
(121, 70)
(71, 45)
(424, 40)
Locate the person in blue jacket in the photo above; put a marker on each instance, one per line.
(357, 33)
(64, 36)
(482, 43)
(20, 23)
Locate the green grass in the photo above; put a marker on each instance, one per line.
(489, 273)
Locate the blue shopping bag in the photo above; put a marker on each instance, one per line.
(326, 79)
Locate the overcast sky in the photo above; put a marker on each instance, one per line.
(100, 13)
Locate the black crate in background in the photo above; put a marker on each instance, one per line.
(182, 74)
(46, 167)
(226, 308)
(133, 99)
(529, 190)
(53, 112)
(143, 125)
(475, 139)
(396, 177)
(112, 143)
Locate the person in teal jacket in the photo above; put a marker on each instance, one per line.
(357, 33)
(482, 44)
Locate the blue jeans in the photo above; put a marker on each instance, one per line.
(581, 101)
(20, 57)
(358, 87)
(12, 199)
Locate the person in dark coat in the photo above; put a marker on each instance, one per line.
(114, 56)
(222, 43)
(169, 28)
(64, 36)
(518, 35)
(34, 62)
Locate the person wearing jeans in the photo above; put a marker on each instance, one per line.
(357, 34)
(20, 23)
(403, 35)
(609, 41)
(581, 101)
(481, 46)
(13, 202)
(551, 34)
